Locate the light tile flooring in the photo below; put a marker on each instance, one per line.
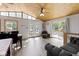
(36, 46)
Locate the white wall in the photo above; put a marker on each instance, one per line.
(74, 23)
(23, 25)
(25, 28)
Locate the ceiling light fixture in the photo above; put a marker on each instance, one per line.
(41, 14)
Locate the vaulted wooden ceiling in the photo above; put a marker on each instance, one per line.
(51, 10)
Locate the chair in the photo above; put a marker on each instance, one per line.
(45, 34)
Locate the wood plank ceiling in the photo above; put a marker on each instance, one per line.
(51, 10)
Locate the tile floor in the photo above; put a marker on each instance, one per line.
(36, 46)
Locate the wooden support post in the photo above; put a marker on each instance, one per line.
(65, 38)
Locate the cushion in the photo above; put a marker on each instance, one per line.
(55, 51)
(70, 48)
(65, 53)
(48, 47)
(72, 40)
(77, 41)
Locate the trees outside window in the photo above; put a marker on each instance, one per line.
(57, 29)
(10, 25)
(58, 26)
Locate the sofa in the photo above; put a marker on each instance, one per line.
(55, 51)
(71, 48)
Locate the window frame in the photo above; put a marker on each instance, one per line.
(4, 12)
(10, 14)
(11, 21)
(0, 25)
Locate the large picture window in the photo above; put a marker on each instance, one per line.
(57, 29)
(10, 25)
(58, 26)
(34, 28)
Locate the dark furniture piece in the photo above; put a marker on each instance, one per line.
(72, 46)
(68, 50)
(45, 34)
(20, 40)
(55, 51)
(13, 35)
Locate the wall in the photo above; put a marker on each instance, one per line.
(25, 28)
(3, 19)
(23, 25)
(74, 23)
(73, 26)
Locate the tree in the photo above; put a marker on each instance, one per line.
(58, 25)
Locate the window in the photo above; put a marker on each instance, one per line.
(12, 14)
(19, 15)
(58, 26)
(25, 16)
(10, 25)
(4, 13)
(57, 29)
(29, 17)
(37, 28)
(34, 28)
(33, 18)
